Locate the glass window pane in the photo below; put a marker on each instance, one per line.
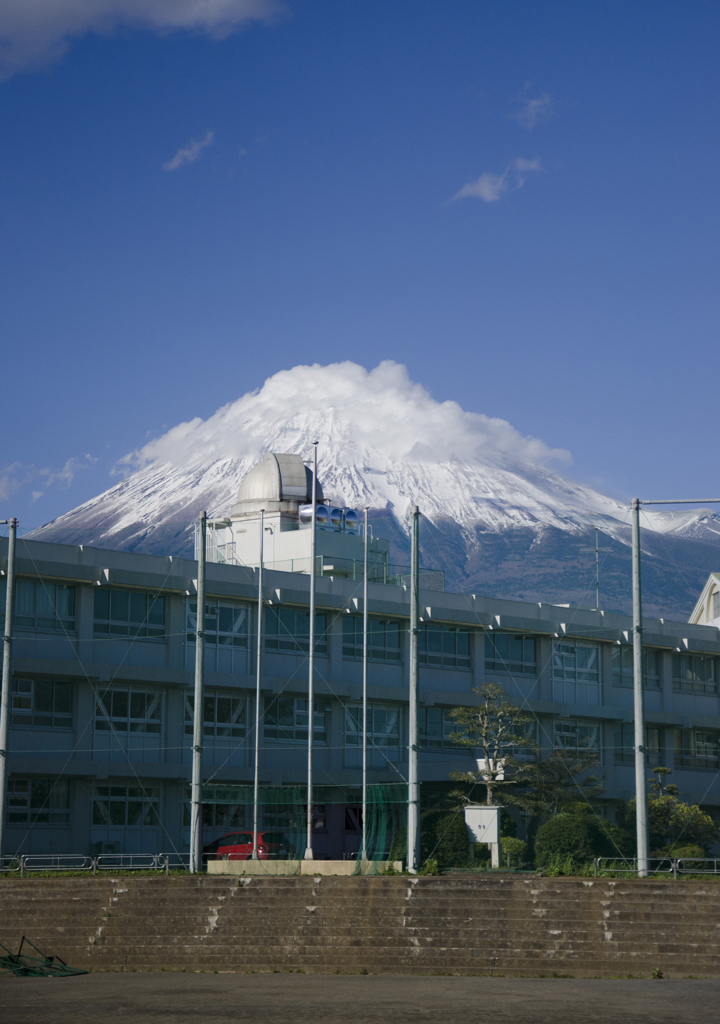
(119, 605)
(63, 698)
(43, 695)
(24, 597)
(119, 704)
(102, 604)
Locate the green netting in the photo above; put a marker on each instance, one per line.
(24, 966)
(282, 810)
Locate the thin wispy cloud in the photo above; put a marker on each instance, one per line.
(16, 476)
(534, 111)
(34, 33)
(491, 187)
(65, 476)
(189, 153)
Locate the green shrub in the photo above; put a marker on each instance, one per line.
(684, 850)
(580, 837)
(443, 837)
(517, 849)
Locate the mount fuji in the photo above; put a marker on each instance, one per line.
(496, 517)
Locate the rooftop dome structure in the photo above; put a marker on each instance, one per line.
(280, 483)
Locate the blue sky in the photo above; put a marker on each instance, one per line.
(518, 201)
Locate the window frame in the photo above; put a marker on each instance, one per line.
(574, 680)
(624, 743)
(441, 741)
(352, 713)
(579, 724)
(48, 623)
(443, 658)
(273, 705)
(686, 750)
(25, 690)
(108, 722)
(58, 806)
(378, 649)
(109, 627)
(149, 797)
(291, 642)
(215, 636)
(212, 727)
(623, 674)
(697, 661)
(510, 666)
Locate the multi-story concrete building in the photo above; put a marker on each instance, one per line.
(102, 692)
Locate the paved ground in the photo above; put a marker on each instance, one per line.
(301, 999)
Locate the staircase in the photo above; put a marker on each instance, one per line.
(498, 924)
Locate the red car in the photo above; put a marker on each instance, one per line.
(239, 846)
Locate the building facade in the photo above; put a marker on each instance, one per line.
(102, 695)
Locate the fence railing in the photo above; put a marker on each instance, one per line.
(27, 863)
(665, 865)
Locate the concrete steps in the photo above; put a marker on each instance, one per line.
(454, 925)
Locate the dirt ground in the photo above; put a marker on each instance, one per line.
(297, 999)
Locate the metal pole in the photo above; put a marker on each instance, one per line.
(365, 702)
(6, 673)
(597, 572)
(197, 760)
(258, 663)
(640, 769)
(413, 829)
(311, 663)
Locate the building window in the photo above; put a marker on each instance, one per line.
(129, 613)
(510, 652)
(716, 604)
(126, 806)
(623, 671)
(226, 624)
(572, 734)
(435, 727)
(222, 716)
(38, 605)
(286, 718)
(694, 673)
(288, 629)
(383, 638)
(42, 703)
(383, 735)
(624, 743)
(443, 645)
(38, 802)
(696, 748)
(576, 673)
(128, 711)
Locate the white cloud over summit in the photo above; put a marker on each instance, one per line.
(351, 410)
(36, 32)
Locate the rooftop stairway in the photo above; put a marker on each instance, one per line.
(499, 924)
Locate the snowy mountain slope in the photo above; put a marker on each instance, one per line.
(497, 515)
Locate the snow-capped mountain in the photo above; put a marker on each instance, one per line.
(497, 517)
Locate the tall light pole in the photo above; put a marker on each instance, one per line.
(641, 807)
(413, 827)
(6, 672)
(364, 697)
(258, 666)
(311, 664)
(196, 797)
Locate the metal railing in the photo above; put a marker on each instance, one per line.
(27, 863)
(665, 865)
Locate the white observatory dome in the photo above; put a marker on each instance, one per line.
(280, 483)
